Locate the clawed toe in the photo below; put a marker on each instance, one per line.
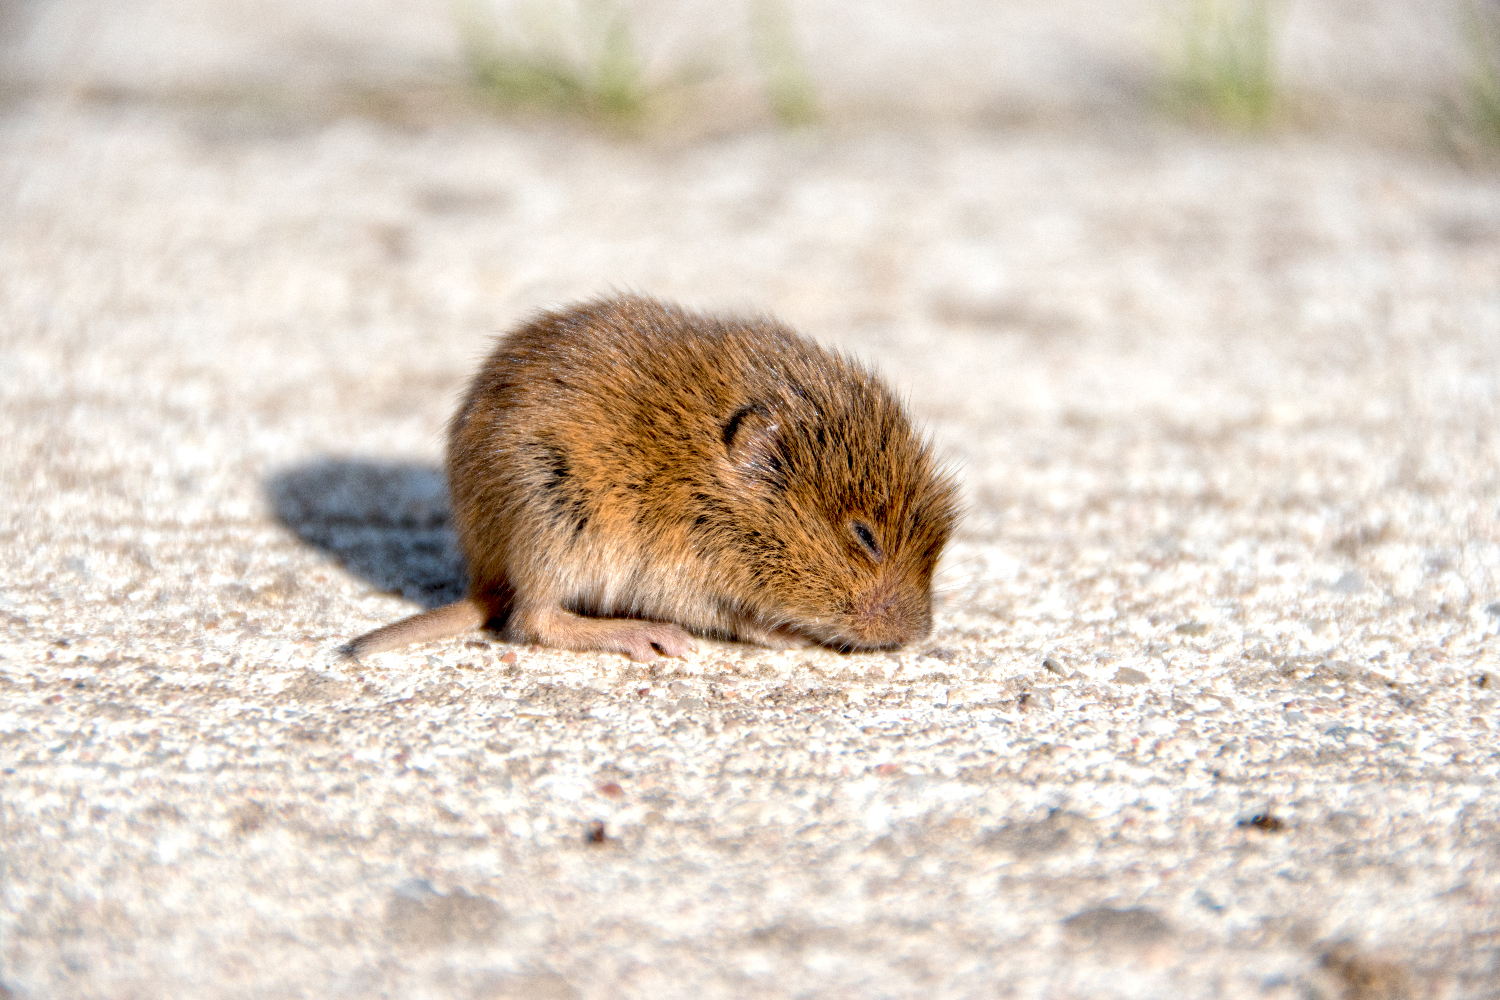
(673, 641)
(648, 641)
(642, 641)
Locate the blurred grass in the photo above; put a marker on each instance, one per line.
(788, 85)
(585, 58)
(1223, 62)
(1482, 33)
(582, 60)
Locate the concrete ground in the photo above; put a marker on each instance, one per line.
(1210, 708)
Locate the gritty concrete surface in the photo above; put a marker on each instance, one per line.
(1210, 708)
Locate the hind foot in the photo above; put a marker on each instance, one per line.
(642, 641)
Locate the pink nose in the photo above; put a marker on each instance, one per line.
(884, 616)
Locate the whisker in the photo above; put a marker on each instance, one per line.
(950, 566)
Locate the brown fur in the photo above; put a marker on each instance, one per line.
(626, 470)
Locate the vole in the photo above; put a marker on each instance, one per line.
(626, 473)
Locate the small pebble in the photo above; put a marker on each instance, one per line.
(414, 888)
(1350, 583)
(611, 790)
(1130, 675)
(1367, 977)
(1053, 666)
(1110, 927)
(508, 658)
(596, 834)
(1033, 699)
(1208, 902)
(1264, 822)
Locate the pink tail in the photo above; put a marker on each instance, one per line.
(439, 623)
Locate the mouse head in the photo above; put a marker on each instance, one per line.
(843, 512)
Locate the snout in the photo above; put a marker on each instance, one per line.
(888, 615)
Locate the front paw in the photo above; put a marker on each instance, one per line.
(776, 638)
(784, 639)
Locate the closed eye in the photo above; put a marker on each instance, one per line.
(866, 538)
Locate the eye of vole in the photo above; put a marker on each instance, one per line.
(865, 536)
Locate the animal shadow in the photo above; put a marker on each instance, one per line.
(387, 522)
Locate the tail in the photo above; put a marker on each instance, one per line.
(439, 623)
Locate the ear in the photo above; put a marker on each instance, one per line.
(751, 439)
